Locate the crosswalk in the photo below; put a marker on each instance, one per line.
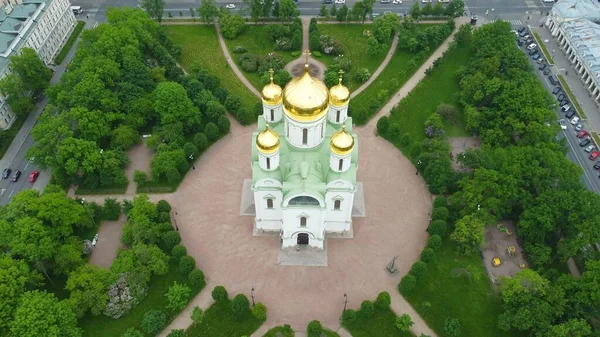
(512, 22)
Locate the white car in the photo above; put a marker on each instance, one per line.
(531, 46)
(575, 120)
(425, 1)
(396, 2)
(590, 148)
(230, 6)
(563, 124)
(340, 2)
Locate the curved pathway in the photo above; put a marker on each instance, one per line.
(379, 70)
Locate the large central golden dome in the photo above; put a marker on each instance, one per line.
(305, 98)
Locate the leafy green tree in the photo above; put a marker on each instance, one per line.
(415, 11)
(173, 105)
(168, 159)
(404, 322)
(407, 283)
(208, 10)
(178, 296)
(240, 306)
(575, 327)
(348, 316)
(452, 326)
(427, 10)
(31, 70)
(373, 46)
(154, 321)
(259, 311)
(176, 333)
(418, 269)
(267, 7)
(219, 294)
(133, 332)
(140, 177)
(256, 9)
(143, 261)
(211, 130)
(124, 137)
(314, 329)
(383, 300)
(342, 13)
(438, 9)
(231, 25)
(88, 287)
(196, 278)
(15, 277)
(469, 233)
(224, 124)
(155, 8)
(455, 9)
(178, 251)
(287, 10)
(41, 314)
(333, 10)
(197, 315)
(186, 264)
(385, 26)
(463, 36)
(324, 12)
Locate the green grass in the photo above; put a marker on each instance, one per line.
(391, 79)
(542, 45)
(330, 333)
(199, 43)
(380, 324)
(438, 87)
(572, 97)
(473, 302)
(255, 40)
(111, 189)
(65, 49)
(355, 49)
(283, 331)
(219, 321)
(103, 326)
(7, 136)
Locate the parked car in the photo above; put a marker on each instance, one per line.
(521, 30)
(397, 2)
(6, 173)
(570, 114)
(542, 66)
(540, 60)
(575, 120)
(33, 176)
(565, 108)
(523, 33)
(230, 6)
(386, 1)
(532, 52)
(546, 71)
(519, 42)
(16, 176)
(556, 90)
(590, 148)
(560, 97)
(564, 102)
(327, 2)
(340, 2)
(536, 56)
(578, 127)
(563, 124)
(594, 155)
(531, 46)
(597, 165)
(552, 80)
(582, 134)
(585, 142)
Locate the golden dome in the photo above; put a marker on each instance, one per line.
(341, 142)
(271, 93)
(305, 98)
(339, 94)
(267, 141)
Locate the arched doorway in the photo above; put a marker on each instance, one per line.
(303, 239)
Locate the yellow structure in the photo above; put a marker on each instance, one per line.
(267, 141)
(342, 142)
(496, 262)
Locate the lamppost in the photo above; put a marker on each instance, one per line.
(88, 212)
(192, 159)
(345, 301)
(252, 295)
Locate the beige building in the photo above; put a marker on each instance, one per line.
(43, 25)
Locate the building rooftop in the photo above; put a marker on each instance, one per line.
(574, 9)
(585, 38)
(14, 25)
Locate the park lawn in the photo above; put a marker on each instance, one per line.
(103, 326)
(391, 79)
(438, 87)
(355, 48)
(255, 40)
(382, 323)
(110, 189)
(199, 43)
(473, 303)
(219, 321)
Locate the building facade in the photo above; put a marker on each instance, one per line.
(43, 25)
(304, 162)
(576, 26)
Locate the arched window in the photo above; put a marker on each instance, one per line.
(268, 163)
(337, 116)
(287, 129)
(304, 200)
(337, 204)
(270, 203)
(272, 115)
(304, 136)
(303, 221)
(341, 164)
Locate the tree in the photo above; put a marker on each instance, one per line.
(231, 25)
(383, 300)
(342, 13)
(267, 7)
(124, 137)
(407, 283)
(193, 13)
(385, 26)
(15, 276)
(455, 9)
(427, 9)
(41, 314)
(367, 308)
(176, 333)
(140, 177)
(196, 278)
(575, 327)
(240, 306)
(197, 315)
(165, 160)
(452, 326)
(219, 294)
(469, 233)
(208, 10)
(363, 8)
(373, 47)
(154, 321)
(133, 332)
(178, 251)
(415, 11)
(224, 124)
(315, 329)
(333, 11)
(418, 269)
(324, 12)
(256, 9)
(186, 265)
(178, 296)
(211, 130)
(260, 312)
(464, 34)
(154, 8)
(438, 9)
(173, 105)
(348, 316)
(404, 322)
(287, 10)
(88, 287)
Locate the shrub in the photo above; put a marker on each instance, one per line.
(296, 42)
(440, 213)
(111, 209)
(140, 177)
(173, 175)
(197, 315)
(383, 300)
(127, 206)
(211, 130)
(394, 130)
(219, 294)
(154, 321)
(233, 103)
(440, 202)
(362, 75)
(196, 278)
(438, 227)
(191, 150)
(452, 327)
(348, 316)
(403, 323)
(224, 124)
(418, 269)
(295, 53)
(240, 305)
(314, 329)
(434, 242)
(239, 49)
(178, 296)
(245, 117)
(201, 141)
(186, 265)
(428, 255)
(169, 240)
(133, 332)
(176, 333)
(317, 54)
(260, 312)
(383, 124)
(407, 283)
(405, 140)
(367, 309)
(178, 251)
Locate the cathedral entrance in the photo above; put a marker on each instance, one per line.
(302, 239)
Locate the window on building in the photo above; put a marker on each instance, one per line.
(337, 116)
(340, 165)
(272, 115)
(303, 221)
(304, 136)
(288, 129)
(268, 163)
(270, 203)
(337, 204)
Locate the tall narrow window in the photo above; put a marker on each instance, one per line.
(270, 203)
(337, 116)
(268, 163)
(303, 221)
(304, 136)
(341, 163)
(337, 204)
(287, 129)
(272, 115)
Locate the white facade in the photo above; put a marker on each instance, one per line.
(272, 113)
(337, 114)
(305, 135)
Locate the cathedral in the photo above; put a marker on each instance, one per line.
(304, 161)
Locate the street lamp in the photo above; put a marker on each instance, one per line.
(252, 295)
(345, 301)
(192, 159)
(88, 212)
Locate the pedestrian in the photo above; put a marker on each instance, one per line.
(88, 16)
(417, 173)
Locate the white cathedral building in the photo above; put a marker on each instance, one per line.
(304, 162)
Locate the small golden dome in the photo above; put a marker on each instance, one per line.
(271, 93)
(305, 98)
(339, 94)
(267, 141)
(341, 142)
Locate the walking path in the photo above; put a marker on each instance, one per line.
(379, 70)
(301, 60)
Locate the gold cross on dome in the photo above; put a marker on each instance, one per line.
(306, 55)
(271, 72)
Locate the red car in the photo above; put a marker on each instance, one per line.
(33, 176)
(594, 155)
(582, 134)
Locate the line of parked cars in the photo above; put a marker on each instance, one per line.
(15, 177)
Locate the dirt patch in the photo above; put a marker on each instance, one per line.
(460, 145)
(498, 238)
(109, 242)
(140, 157)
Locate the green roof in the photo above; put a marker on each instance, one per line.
(12, 20)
